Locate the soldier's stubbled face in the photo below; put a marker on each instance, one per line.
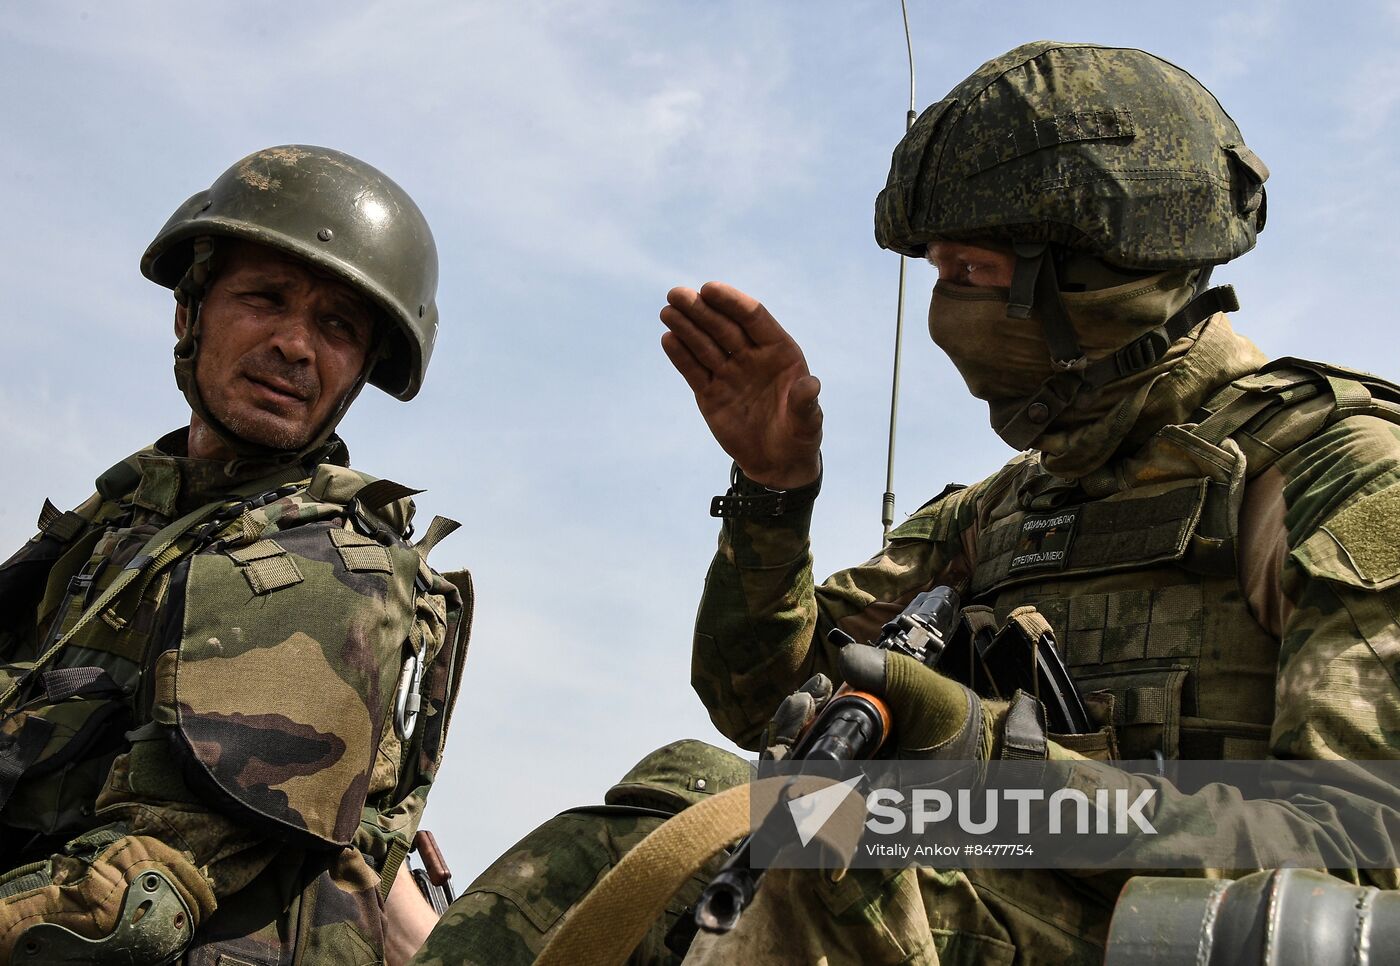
(281, 344)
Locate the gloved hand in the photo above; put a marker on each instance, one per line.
(934, 716)
(797, 711)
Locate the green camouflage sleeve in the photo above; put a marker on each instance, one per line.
(761, 613)
(1339, 668)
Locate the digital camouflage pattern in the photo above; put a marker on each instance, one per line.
(252, 670)
(678, 775)
(1103, 150)
(511, 911)
(1230, 592)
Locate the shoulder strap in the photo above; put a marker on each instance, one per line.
(1356, 392)
(23, 576)
(160, 551)
(1287, 401)
(62, 525)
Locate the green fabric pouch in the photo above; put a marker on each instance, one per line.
(289, 658)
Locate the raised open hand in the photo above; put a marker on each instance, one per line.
(750, 381)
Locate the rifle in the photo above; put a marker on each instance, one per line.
(966, 646)
(434, 880)
(852, 726)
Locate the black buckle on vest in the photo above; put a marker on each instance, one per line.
(1141, 352)
(233, 511)
(82, 584)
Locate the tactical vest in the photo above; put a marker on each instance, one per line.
(286, 646)
(1141, 583)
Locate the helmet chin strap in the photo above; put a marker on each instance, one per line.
(190, 293)
(1035, 286)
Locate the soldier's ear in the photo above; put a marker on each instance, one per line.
(182, 318)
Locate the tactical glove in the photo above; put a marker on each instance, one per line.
(797, 711)
(934, 716)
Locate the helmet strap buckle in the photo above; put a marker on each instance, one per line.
(1030, 257)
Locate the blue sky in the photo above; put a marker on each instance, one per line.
(576, 159)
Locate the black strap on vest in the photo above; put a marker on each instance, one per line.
(1023, 734)
(73, 682)
(17, 753)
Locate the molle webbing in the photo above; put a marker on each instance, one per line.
(62, 526)
(1136, 635)
(20, 752)
(1128, 529)
(1266, 414)
(1286, 402)
(161, 551)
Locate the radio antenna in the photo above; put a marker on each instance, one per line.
(887, 504)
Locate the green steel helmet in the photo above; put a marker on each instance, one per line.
(341, 215)
(678, 775)
(1107, 151)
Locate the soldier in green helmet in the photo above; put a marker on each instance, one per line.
(508, 914)
(226, 678)
(1226, 580)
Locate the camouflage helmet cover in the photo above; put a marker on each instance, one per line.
(678, 775)
(1109, 151)
(341, 215)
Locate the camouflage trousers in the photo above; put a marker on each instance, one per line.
(916, 917)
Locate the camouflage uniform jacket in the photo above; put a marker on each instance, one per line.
(512, 909)
(508, 914)
(1231, 588)
(236, 699)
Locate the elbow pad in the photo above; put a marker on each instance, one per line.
(133, 899)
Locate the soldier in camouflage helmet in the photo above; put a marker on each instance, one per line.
(513, 908)
(1227, 582)
(226, 677)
